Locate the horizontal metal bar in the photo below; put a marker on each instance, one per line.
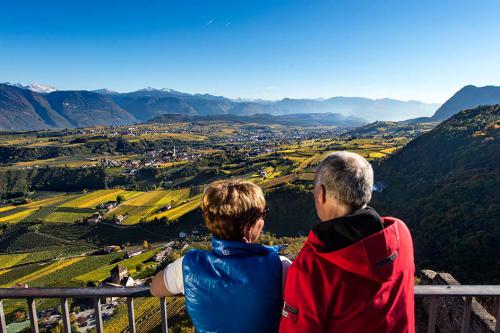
(74, 292)
(457, 290)
(420, 291)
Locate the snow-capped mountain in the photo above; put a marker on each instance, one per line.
(105, 91)
(36, 87)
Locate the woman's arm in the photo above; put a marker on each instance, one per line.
(169, 281)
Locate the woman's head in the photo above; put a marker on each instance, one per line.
(234, 210)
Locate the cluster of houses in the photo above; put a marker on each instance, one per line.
(105, 208)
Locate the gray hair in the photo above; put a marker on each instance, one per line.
(347, 177)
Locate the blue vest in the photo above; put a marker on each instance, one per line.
(234, 288)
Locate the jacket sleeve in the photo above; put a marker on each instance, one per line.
(303, 308)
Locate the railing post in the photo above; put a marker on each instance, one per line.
(431, 328)
(98, 315)
(65, 313)
(164, 316)
(131, 314)
(467, 313)
(3, 325)
(32, 314)
(497, 327)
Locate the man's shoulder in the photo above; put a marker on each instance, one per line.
(308, 261)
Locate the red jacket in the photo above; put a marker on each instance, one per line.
(364, 287)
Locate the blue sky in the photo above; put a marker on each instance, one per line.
(271, 49)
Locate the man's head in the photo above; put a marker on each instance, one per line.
(343, 184)
(234, 210)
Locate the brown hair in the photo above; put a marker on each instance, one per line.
(228, 206)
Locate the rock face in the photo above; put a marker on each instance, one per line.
(450, 309)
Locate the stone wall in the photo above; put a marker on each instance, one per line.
(450, 309)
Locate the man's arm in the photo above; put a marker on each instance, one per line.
(303, 309)
(169, 281)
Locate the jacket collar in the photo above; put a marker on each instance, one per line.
(347, 230)
(233, 248)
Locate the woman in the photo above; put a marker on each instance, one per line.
(236, 287)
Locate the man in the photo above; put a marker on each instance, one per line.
(237, 286)
(355, 272)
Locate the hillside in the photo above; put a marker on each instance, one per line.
(23, 109)
(444, 184)
(85, 108)
(298, 119)
(467, 98)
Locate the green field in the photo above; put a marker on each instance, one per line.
(103, 272)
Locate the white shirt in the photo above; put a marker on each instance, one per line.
(174, 280)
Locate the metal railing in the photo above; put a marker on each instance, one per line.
(434, 292)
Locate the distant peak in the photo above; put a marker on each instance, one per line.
(105, 91)
(148, 89)
(35, 87)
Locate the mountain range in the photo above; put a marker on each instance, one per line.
(36, 106)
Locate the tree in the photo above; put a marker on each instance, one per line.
(120, 198)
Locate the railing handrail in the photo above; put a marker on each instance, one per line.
(30, 294)
(420, 290)
(7, 293)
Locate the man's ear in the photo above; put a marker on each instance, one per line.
(322, 194)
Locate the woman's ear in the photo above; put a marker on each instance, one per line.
(252, 232)
(247, 234)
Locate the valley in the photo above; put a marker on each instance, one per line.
(79, 202)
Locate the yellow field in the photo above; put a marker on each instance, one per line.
(2, 209)
(9, 260)
(17, 217)
(171, 164)
(305, 163)
(94, 198)
(50, 202)
(174, 196)
(145, 203)
(389, 150)
(146, 199)
(178, 211)
(376, 155)
(131, 194)
(45, 271)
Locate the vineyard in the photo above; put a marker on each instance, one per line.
(103, 272)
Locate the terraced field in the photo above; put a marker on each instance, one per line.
(16, 216)
(178, 211)
(49, 269)
(140, 207)
(92, 199)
